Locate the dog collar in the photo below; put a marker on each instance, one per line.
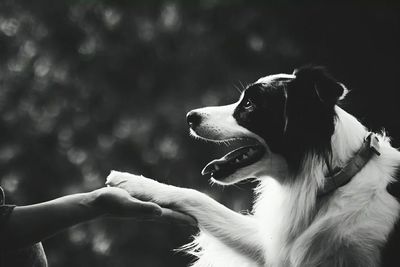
(342, 176)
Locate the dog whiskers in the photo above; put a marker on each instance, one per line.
(238, 89)
(243, 87)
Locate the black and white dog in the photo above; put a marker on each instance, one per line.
(322, 198)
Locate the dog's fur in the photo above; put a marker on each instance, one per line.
(306, 134)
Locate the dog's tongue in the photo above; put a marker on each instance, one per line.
(234, 160)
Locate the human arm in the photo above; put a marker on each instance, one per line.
(33, 223)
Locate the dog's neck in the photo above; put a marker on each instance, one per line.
(347, 139)
(298, 199)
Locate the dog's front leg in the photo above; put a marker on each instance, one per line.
(235, 230)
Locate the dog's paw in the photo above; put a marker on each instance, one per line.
(116, 178)
(136, 185)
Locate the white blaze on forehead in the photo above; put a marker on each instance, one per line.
(271, 78)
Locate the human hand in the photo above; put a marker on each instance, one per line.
(116, 202)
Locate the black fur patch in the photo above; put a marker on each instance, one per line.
(266, 117)
(308, 111)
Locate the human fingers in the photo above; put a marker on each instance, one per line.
(132, 207)
(117, 202)
(178, 217)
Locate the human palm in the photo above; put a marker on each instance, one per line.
(117, 202)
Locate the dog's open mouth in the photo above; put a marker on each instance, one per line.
(234, 160)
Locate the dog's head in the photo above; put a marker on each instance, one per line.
(284, 117)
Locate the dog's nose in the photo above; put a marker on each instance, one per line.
(193, 119)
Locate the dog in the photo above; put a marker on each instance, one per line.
(322, 197)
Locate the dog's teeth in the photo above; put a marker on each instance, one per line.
(251, 151)
(216, 167)
(245, 156)
(237, 160)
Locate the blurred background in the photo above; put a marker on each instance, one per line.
(89, 86)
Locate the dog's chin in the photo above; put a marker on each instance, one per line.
(230, 179)
(210, 136)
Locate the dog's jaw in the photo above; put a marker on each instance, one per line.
(219, 126)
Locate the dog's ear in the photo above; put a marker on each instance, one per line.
(309, 114)
(315, 80)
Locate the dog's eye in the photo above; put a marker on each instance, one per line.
(248, 105)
